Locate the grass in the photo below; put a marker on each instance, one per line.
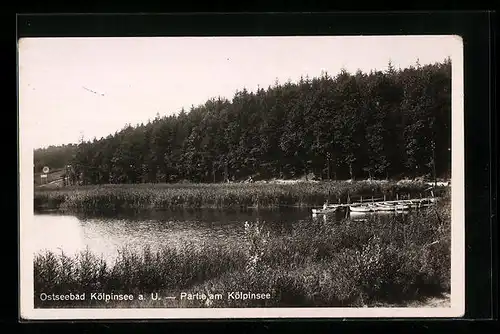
(380, 261)
(146, 196)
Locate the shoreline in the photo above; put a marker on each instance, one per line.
(224, 195)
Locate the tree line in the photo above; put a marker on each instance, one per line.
(382, 124)
(54, 157)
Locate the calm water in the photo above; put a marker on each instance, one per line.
(105, 235)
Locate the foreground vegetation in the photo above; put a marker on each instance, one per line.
(223, 195)
(390, 261)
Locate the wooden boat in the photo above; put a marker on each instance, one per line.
(402, 207)
(413, 205)
(361, 208)
(328, 209)
(385, 207)
(322, 211)
(376, 206)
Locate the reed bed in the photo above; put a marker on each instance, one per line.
(321, 263)
(148, 196)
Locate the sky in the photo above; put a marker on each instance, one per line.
(71, 88)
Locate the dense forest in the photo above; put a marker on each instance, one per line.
(383, 124)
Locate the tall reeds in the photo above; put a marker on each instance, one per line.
(145, 196)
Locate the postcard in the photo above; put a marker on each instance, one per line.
(241, 177)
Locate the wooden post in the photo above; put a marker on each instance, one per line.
(434, 162)
(404, 233)
(328, 166)
(213, 170)
(226, 172)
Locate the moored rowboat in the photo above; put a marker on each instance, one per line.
(323, 211)
(402, 207)
(382, 206)
(385, 207)
(361, 208)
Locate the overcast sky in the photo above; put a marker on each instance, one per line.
(94, 86)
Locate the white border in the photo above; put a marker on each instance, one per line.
(457, 309)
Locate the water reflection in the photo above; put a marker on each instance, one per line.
(105, 234)
(340, 215)
(58, 232)
(364, 216)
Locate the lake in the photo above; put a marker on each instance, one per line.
(106, 234)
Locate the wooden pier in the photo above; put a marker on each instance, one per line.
(378, 206)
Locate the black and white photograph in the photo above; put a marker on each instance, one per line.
(241, 177)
